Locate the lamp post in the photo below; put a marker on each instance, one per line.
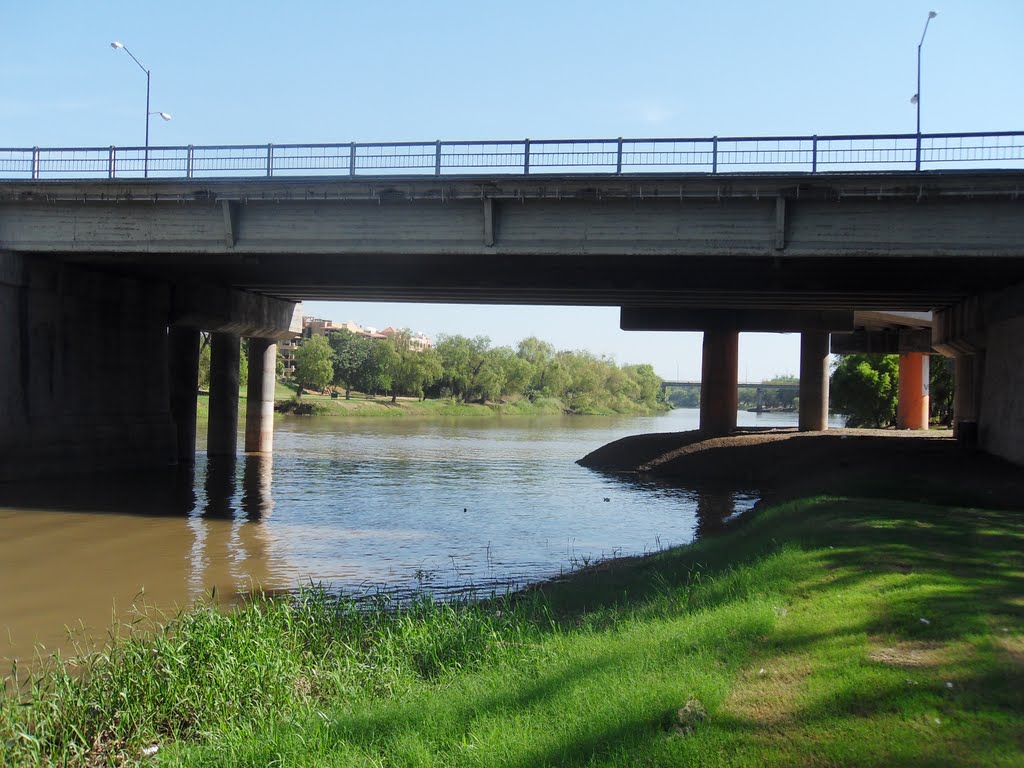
(916, 99)
(118, 45)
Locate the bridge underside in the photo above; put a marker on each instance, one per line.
(721, 254)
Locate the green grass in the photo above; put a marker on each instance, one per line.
(363, 406)
(796, 639)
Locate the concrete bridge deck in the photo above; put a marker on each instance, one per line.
(111, 264)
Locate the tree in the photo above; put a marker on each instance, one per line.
(351, 354)
(411, 370)
(864, 388)
(313, 366)
(648, 384)
(376, 373)
(462, 358)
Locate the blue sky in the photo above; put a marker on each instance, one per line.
(258, 72)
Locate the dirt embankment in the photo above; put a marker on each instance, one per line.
(784, 463)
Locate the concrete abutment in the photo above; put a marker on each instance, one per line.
(99, 371)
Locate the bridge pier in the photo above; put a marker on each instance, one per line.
(719, 397)
(912, 400)
(965, 399)
(814, 349)
(259, 411)
(183, 375)
(222, 432)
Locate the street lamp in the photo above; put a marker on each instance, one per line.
(916, 98)
(118, 45)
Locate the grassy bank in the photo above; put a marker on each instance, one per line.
(362, 406)
(829, 631)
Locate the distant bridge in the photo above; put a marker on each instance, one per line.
(795, 387)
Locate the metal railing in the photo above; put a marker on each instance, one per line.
(715, 155)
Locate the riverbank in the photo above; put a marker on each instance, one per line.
(823, 631)
(782, 463)
(382, 407)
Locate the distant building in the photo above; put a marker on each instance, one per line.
(317, 326)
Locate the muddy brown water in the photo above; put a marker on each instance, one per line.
(360, 506)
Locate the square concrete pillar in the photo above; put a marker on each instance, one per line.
(222, 433)
(183, 375)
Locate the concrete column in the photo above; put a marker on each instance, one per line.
(719, 398)
(912, 397)
(813, 381)
(259, 407)
(183, 362)
(965, 410)
(222, 434)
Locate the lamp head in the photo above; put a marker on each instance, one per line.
(164, 115)
(914, 99)
(932, 14)
(117, 44)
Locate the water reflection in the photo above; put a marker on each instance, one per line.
(716, 508)
(356, 504)
(257, 474)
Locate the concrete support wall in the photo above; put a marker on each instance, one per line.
(83, 370)
(814, 347)
(965, 397)
(259, 410)
(986, 335)
(719, 397)
(222, 434)
(1001, 416)
(183, 375)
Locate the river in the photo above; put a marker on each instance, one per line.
(360, 505)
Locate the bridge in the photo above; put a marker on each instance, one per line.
(793, 387)
(113, 259)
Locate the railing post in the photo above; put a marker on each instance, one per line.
(190, 162)
(111, 162)
(814, 154)
(917, 154)
(618, 157)
(526, 157)
(35, 162)
(352, 159)
(270, 159)
(714, 154)
(437, 159)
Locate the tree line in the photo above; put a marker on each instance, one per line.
(471, 370)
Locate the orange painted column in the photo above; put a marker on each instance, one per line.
(912, 398)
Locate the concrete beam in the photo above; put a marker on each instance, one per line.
(225, 310)
(767, 320)
(883, 342)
